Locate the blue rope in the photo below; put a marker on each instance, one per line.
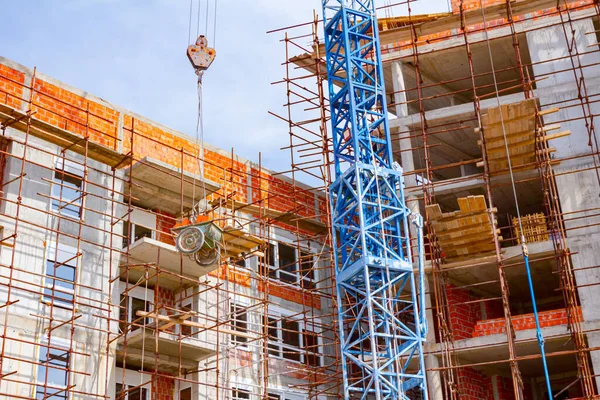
(538, 329)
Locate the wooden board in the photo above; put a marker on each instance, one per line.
(516, 127)
(535, 228)
(464, 232)
(238, 242)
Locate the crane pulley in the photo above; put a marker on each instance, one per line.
(201, 56)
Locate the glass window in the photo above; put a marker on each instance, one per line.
(274, 396)
(241, 263)
(129, 307)
(61, 266)
(133, 233)
(239, 323)
(131, 394)
(237, 393)
(284, 338)
(289, 265)
(270, 259)
(52, 373)
(67, 189)
(273, 340)
(187, 330)
(60, 283)
(311, 344)
(307, 269)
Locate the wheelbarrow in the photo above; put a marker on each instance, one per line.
(200, 240)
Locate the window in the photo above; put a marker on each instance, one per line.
(239, 323)
(187, 305)
(61, 268)
(133, 233)
(127, 385)
(52, 372)
(307, 269)
(311, 344)
(129, 393)
(293, 340)
(284, 338)
(237, 393)
(288, 265)
(285, 265)
(277, 394)
(241, 263)
(130, 305)
(67, 188)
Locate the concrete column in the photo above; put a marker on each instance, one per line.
(401, 110)
(434, 381)
(495, 390)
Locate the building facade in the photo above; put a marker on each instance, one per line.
(96, 301)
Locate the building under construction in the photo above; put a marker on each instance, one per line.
(493, 107)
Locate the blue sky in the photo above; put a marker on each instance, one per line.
(132, 53)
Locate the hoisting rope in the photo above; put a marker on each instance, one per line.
(200, 207)
(524, 250)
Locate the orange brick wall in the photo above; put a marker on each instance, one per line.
(523, 322)
(164, 223)
(163, 388)
(463, 317)
(473, 4)
(475, 385)
(11, 89)
(66, 110)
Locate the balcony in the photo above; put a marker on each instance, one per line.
(146, 250)
(157, 185)
(173, 352)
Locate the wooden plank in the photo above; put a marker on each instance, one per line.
(532, 115)
(499, 142)
(166, 318)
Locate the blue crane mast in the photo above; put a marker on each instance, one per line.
(381, 326)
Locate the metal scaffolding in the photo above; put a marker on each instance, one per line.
(443, 139)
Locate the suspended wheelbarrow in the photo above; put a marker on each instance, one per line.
(201, 241)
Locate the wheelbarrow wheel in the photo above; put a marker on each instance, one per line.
(208, 257)
(189, 240)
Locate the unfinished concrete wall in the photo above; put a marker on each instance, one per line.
(35, 243)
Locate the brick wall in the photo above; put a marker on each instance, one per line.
(505, 388)
(166, 298)
(463, 317)
(473, 4)
(164, 223)
(474, 385)
(163, 388)
(523, 322)
(11, 86)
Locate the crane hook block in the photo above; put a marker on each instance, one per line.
(201, 56)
